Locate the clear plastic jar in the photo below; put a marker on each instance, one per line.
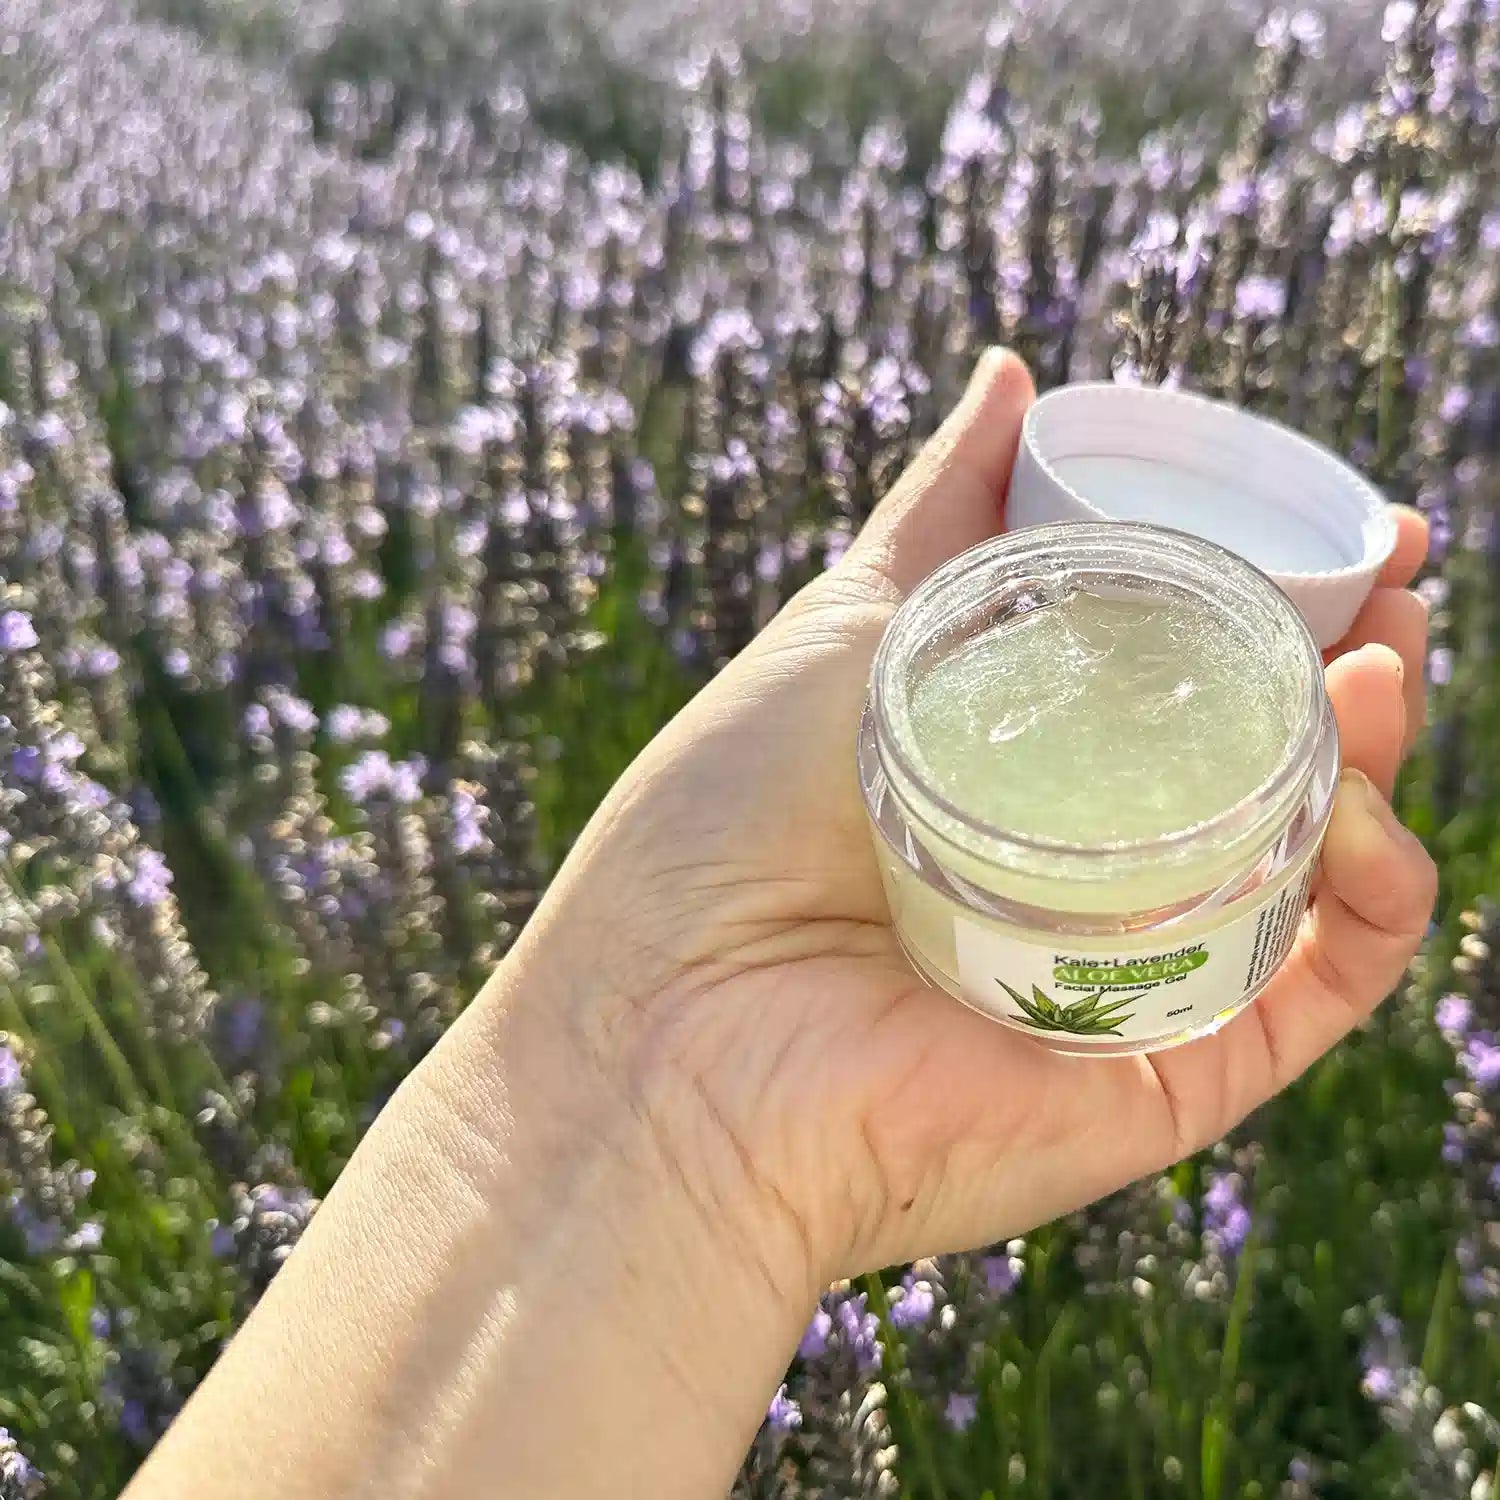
(1118, 946)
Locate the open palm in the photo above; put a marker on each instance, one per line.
(729, 899)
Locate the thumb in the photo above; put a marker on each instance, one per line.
(951, 496)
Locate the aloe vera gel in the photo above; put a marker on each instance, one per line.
(1098, 760)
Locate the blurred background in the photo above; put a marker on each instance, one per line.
(405, 406)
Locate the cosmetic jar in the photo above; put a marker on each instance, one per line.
(1098, 761)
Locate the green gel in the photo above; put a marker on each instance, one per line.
(1098, 720)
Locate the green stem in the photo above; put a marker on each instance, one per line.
(38, 1065)
(1435, 1343)
(911, 1409)
(128, 1091)
(1390, 352)
(1039, 1472)
(1216, 1424)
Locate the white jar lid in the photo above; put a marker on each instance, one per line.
(1101, 452)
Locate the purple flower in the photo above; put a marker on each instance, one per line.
(769, 562)
(971, 136)
(397, 640)
(88, 1236)
(26, 763)
(151, 881)
(1000, 1275)
(783, 1414)
(1440, 666)
(468, 819)
(1260, 297)
(243, 1027)
(1453, 1013)
(375, 774)
(1456, 401)
(16, 630)
(1380, 1383)
(814, 1342)
(1397, 20)
(42, 1234)
(914, 1306)
(1226, 1219)
(135, 1424)
(1237, 197)
(860, 1330)
(1480, 1059)
(293, 713)
(1482, 331)
(10, 1069)
(961, 1410)
(346, 723)
(19, 1477)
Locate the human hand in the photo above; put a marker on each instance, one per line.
(729, 902)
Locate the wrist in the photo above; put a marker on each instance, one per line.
(634, 1236)
(624, 1067)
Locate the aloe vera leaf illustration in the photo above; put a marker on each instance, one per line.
(1084, 1010)
(1105, 1020)
(1090, 1016)
(1097, 1008)
(1087, 1006)
(1042, 1020)
(1045, 1003)
(1040, 1005)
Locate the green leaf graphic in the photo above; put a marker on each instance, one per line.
(1099, 1014)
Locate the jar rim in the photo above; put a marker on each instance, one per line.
(1174, 557)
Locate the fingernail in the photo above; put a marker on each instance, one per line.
(1356, 785)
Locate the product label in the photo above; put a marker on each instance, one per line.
(1095, 991)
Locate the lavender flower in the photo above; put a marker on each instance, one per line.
(41, 1198)
(783, 1415)
(268, 1222)
(16, 631)
(1226, 1216)
(913, 1305)
(141, 1391)
(1443, 1444)
(19, 1479)
(961, 1411)
(1471, 1145)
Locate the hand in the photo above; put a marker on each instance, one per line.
(746, 990)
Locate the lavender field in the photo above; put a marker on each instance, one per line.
(403, 408)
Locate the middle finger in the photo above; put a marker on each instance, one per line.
(1396, 618)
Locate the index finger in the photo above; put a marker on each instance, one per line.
(1410, 551)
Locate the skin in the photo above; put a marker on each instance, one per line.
(577, 1249)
